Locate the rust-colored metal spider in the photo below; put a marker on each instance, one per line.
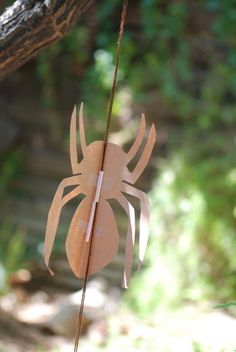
(113, 183)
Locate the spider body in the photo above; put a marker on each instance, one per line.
(117, 181)
(106, 235)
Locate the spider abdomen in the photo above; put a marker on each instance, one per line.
(105, 238)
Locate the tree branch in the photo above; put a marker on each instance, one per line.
(29, 26)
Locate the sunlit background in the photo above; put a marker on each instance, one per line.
(178, 65)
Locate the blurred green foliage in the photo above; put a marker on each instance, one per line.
(226, 305)
(12, 253)
(9, 169)
(12, 248)
(191, 251)
(161, 46)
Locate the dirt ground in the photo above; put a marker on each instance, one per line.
(37, 326)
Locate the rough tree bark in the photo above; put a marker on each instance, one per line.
(29, 26)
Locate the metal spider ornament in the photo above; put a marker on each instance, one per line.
(98, 187)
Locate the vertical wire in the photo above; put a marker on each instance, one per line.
(109, 116)
(111, 100)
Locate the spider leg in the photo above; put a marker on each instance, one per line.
(138, 140)
(144, 218)
(142, 163)
(81, 130)
(55, 211)
(129, 245)
(73, 139)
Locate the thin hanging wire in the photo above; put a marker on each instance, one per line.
(109, 116)
(111, 100)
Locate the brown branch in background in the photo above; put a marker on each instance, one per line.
(29, 26)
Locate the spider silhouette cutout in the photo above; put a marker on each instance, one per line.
(117, 181)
